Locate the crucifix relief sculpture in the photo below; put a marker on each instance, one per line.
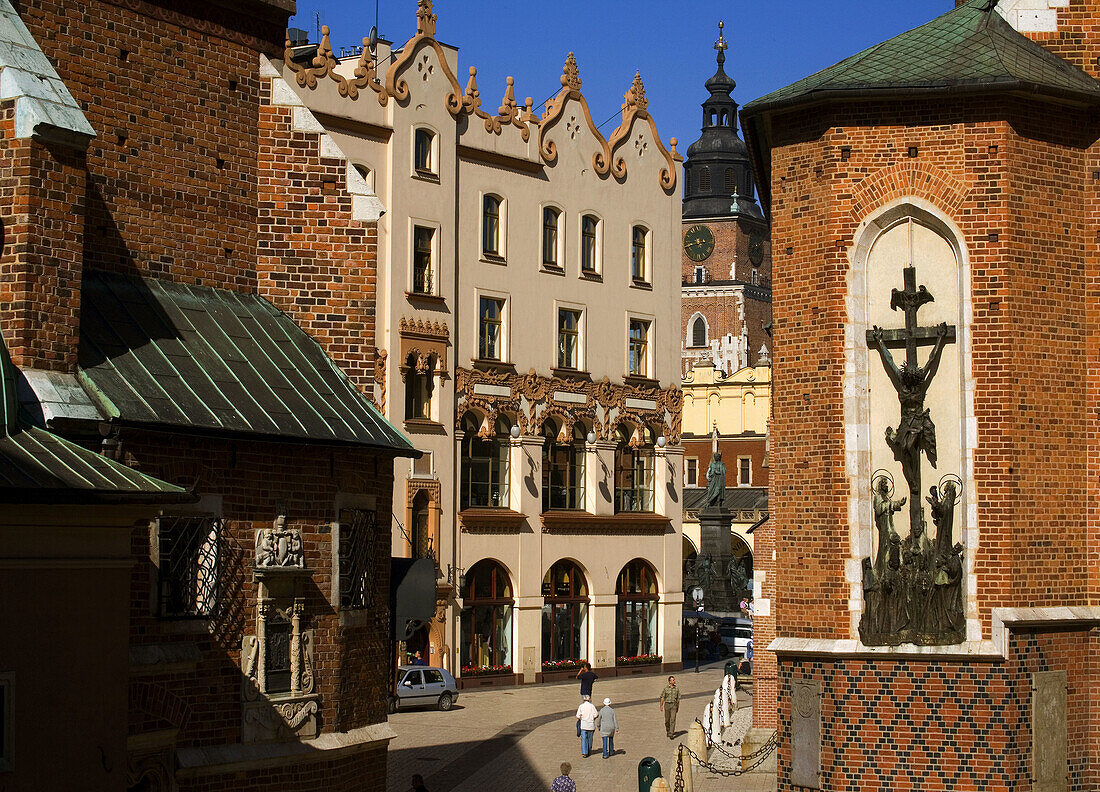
(913, 588)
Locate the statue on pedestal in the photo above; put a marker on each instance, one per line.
(716, 483)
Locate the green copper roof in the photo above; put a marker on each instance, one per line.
(164, 354)
(37, 466)
(967, 48)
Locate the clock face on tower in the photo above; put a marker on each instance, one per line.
(756, 249)
(698, 242)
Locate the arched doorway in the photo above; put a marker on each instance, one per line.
(486, 619)
(564, 613)
(636, 614)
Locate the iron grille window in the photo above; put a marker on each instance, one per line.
(357, 559)
(423, 241)
(190, 560)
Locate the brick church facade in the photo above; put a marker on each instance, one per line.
(964, 151)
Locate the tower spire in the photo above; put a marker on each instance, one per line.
(720, 44)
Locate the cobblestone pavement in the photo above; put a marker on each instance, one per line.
(515, 738)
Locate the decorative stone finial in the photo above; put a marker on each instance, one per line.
(508, 105)
(720, 44)
(636, 97)
(425, 19)
(571, 76)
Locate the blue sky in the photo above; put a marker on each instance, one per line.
(771, 43)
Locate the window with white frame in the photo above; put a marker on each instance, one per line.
(569, 332)
(691, 472)
(490, 343)
(590, 244)
(491, 215)
(638, 348)
(484, 464)
(424, 152)
(639, 259)
(551, 236)
(744, 471)
(699, 332)
(423, 260)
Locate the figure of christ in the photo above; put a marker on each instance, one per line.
(885, 507)
(915, 432)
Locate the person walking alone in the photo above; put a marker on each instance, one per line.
(670, 702)
(586, 716)
(587, 676)
(609, 726)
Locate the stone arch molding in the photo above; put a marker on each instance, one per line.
(861, 433)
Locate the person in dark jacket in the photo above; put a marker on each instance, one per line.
(587, 677)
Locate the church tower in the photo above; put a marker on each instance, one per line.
(726, 258)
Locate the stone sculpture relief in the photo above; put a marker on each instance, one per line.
(279, 546)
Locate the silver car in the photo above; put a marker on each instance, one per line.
(419, 686)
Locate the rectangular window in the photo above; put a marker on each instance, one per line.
(423, 242)
(637, 254)
(490, 326)
(189, 559)
(691, 473)
(639, 348)
(569, 323)
(422, 152)
(550, 217)
(588, 243)
(700, 274)
(418, 394)
(357, 559)
(744, 471)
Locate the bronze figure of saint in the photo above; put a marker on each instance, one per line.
(716, 483)
(885, 507)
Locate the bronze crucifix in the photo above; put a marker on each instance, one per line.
(915, 432)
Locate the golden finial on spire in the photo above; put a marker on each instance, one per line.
(720, 44)
(425, 19)
(571, 76)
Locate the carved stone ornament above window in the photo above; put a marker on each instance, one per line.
(280, 546)
(426, 340)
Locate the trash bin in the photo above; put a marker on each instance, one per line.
(649, 770)
(731, 666)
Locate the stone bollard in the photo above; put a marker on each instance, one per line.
(659, 785)
(682, 759)
(697, 741)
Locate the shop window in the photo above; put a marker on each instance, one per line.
(485, 464)
(564, 613)
(551, 217)
(636, 617)
(562, 468)
(486, 620)
(189, 557)
(634, 465)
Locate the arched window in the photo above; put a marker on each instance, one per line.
(638, 237)
(731, 181)
(634, 472)
(699, 332)
(589, 224)
(423, 544)
(704, 180)
(422, 152)
(562, 469)
(550, 218)
(484, 464)
(419, 385)
(636, 616)
(564, 613)
(490, 225)
(486, 619)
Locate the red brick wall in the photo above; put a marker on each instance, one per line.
(40, 264)
(351, 672)
(362, 771)
(752, 447)
(170, 90)
(315, 262)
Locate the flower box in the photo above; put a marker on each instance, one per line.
(562, 665)
(637, 660)
(493, 670)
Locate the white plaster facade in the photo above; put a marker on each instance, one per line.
(527, 162)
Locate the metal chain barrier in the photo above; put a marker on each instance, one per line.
(760, 756)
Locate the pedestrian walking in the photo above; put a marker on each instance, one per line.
(608, 725)
(564, 783)
(587, 676)
(418, 783)
(746, 663)
(670, 702)
(586, 716)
